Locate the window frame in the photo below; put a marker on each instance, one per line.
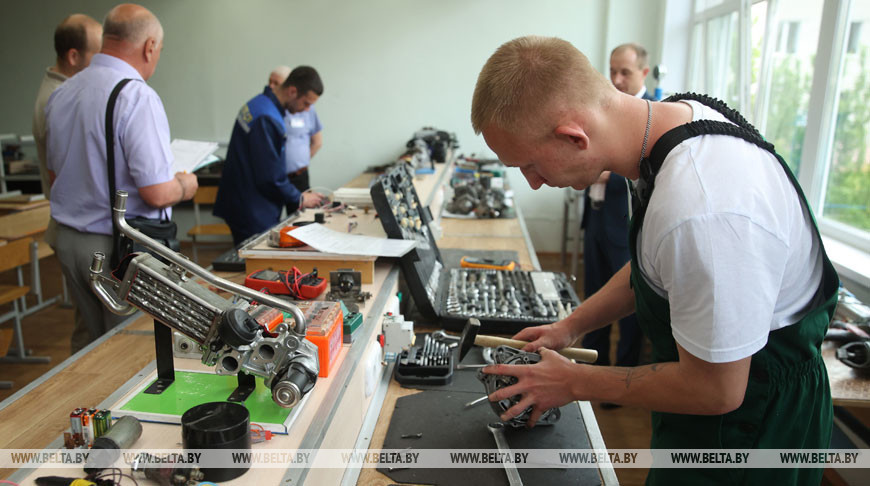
(828, 66)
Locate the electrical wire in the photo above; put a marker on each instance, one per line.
(114, 474)
(259, 433)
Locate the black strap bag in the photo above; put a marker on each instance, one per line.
(163, 230)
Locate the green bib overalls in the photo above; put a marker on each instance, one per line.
(788, 398)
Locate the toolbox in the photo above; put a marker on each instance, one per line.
(504, 301)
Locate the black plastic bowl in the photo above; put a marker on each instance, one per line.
(218, 425)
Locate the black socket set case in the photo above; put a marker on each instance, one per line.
(503, 301)
(411, 371)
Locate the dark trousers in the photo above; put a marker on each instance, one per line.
(75, 251)
(300, 180)
(602, 259)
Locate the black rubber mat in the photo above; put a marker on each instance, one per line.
(440, 415)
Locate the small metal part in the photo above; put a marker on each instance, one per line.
(497, 429)
(487, 355)
(443, 336)
(476, 401)
(413, 436)
(346, 285)
(470, 366)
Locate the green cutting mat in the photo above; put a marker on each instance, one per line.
(191, 389)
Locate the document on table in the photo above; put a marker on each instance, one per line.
(191, 155)
(326, 240)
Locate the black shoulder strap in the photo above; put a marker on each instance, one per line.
(110, 161)
(740, 128)
(110, 138)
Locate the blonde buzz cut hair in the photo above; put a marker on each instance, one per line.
(527, 75)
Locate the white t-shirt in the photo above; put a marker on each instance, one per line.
(725, 239)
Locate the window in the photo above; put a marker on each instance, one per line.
(804, 66)
(854, 37)
(716, 58)
(847, 196)
(788, 37)
(784, 120)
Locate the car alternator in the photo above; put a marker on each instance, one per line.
(511, 356)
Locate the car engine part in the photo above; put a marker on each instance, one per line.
(346, 285)
(230, 339)
(511, 356)
(480, 197)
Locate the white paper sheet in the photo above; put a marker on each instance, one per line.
(326, 240)
(191, 155)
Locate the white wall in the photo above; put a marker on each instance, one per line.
(389, 67)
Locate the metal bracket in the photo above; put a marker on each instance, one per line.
(165, 363)
(247, 383)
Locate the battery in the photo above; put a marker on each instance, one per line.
(88, 426)
(102, 422)
(75, 425)
(325, 322)
(352, 321)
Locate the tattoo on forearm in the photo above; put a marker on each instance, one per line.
(634, 374)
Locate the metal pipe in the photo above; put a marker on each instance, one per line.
(98, 284)
(118, 215)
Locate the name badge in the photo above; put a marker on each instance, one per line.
(297, 123)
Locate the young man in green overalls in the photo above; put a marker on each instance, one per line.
(728, 276)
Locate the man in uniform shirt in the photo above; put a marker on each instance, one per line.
(254, 185)
(75, 116)
(304, 139)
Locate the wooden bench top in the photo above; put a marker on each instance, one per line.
(20, 224)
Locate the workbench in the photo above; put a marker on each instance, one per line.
(338, 414)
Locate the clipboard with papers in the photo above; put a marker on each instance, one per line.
(192, 155)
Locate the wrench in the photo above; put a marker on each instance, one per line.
(442, 336)
(497, 429)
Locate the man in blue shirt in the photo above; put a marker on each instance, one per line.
(76, 153)
(254, 186)
(304, 139)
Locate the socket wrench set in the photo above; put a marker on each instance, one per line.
(429, 364)
(504, 301)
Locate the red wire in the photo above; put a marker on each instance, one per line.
(294, 283)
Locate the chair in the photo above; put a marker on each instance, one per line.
(14, 254)
(205, 195)
(31, 223)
